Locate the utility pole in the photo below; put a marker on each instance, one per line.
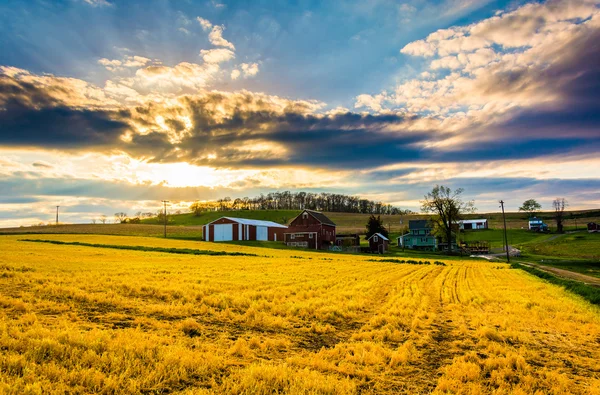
(165, 218)
(57, 214)
(505, 237)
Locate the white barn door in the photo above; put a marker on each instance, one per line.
(262, 233)
(224, 232)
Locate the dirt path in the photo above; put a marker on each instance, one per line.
(589, 280)
(554, 237)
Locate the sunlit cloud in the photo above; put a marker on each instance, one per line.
(218, 55)
(249, 69)
(127, 62)
(205, 23)
(216, 38)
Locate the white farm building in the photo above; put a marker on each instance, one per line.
(230, 229)
(473, 224)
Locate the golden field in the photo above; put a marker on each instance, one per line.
(83, 319)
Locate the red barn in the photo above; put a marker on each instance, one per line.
(593, 227)
(378, 243)
(230, 229)
(311, 229)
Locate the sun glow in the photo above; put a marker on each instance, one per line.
(186, 175)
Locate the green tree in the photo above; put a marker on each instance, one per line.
(447, 207)
(531, 207)
(375, 225)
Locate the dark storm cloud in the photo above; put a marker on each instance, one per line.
(32, 116)
(226, 127)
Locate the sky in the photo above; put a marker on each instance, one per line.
(109, 105)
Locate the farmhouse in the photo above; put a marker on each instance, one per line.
(311, 229)
(378, 243)
(419, 236)
(230, 229)
(473, 224)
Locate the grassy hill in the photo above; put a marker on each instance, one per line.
(355, 222)
(189, 219)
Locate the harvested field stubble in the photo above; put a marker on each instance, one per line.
(83, 319)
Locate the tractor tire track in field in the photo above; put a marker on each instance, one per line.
(439, 350)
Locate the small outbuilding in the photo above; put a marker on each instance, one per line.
(239, 229)
(593, 227)
(473, 224)
(378, 243)
(348, 242)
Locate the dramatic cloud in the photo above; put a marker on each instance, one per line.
(508, 102)
(523, 74)
(36, 116)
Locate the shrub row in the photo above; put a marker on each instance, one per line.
(409, 261)
(188, 251)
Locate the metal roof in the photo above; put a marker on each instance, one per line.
(380, 235)
(473, 221)
(255, 222)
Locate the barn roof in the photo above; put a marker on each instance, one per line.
(322, 218)
(255, 222)
(380, 235)
(473, 221)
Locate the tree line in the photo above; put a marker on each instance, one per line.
(330, 202)
(532, 208)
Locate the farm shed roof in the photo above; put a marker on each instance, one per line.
(255, 222)
(473, 221)
(380, 235)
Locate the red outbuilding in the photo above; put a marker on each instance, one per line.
(311, 229)
(593, 227)
(230, 229)
(378, 243)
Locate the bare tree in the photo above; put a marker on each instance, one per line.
(447, 208)
(93, 220)
(103, 218)
(559, 205)
(120, 217)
